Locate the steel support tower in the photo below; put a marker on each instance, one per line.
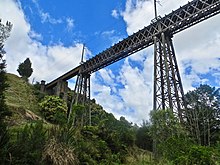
(168, 90)
(81, 93)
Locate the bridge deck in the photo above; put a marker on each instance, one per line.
(66, 76)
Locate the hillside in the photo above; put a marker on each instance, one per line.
(107, 141)
(21, 100)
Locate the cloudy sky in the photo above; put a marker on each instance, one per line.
(51, 33)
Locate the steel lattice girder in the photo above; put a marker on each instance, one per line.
(178, 20)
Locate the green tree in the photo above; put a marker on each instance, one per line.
(203, 114)
(4, 34)
(143, 137)
(78, 116)
(170, 138)
(24, 69)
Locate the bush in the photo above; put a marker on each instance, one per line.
(29, 144)
(58, 153)
(37, 92)
(54, 109)
(203, 155)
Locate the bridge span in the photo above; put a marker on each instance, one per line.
(168, 90)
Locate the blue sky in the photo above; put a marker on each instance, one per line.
(89, 22)
(52, 33)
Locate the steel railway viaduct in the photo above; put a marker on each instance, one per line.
(168, 90)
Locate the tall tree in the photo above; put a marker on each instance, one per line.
(203, 114)
(4, 34)
(143, 138)
(24, 69)
(169, 136)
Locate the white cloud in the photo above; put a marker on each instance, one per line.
(103, 93)
(107, 76)
(35, 35)
(70, 24)
(112, 35)
(137, 14)
(45, 16)
(136, 93)
(48, 62)
(115, 14)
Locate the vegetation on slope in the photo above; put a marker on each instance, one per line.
(21, 100)
(108, 140)
(33, 141)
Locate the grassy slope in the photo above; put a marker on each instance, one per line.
(21, 100)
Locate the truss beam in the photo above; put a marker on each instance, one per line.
(178, 20)
(184, 17)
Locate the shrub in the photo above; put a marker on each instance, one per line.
(58, 153)
(29, 144)
(54, 109)
(203, 155)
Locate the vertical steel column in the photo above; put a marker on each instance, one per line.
(81, 94)
(168, 90)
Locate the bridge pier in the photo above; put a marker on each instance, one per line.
(81, 95)
(43, 86)
(60, 89)
(168, 89)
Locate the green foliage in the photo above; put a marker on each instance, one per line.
(4, 142)
(24, 69)
(137, 156)
(164, 125)
(143, 137)
(36, 89)
(93, 149)
(58, 154)
(54, 109)
(203, 155)
(175, 148)
(3, 107)
(203, 113)
(65, 134)
(78, 113)
(20, 97)
(59, 148)
(4, 34)
(173, 142)
(170, 138)
(4, 137)
(29, 144)
(3, 85)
